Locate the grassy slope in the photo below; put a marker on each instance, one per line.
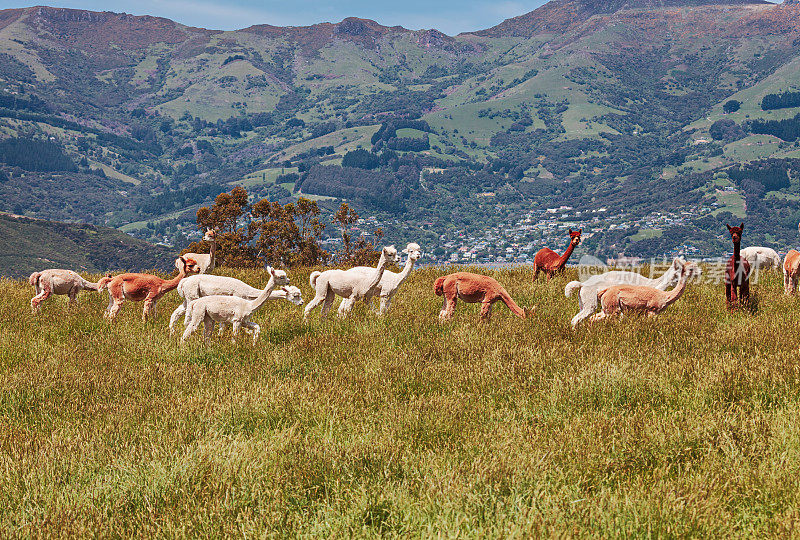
(685, 425)
(27, 245)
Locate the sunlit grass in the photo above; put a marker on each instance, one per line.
(685, 425)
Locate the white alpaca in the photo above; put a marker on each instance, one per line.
(230, 310)
(389, 284)
(587, 296)
(57, 281)
(761, 257)
(349, 284)
(206, 261)
(201, 285)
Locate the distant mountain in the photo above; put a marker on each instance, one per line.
(586, 104)
(28, 245)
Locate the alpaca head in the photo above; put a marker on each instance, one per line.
(575, 237)
(389, 254)
(187, 265)
(691, 270)
(413, 251)
(294, 295)
(281, 278)
(736, 232)
(210, 236)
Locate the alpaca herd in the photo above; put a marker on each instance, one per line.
(209, 299)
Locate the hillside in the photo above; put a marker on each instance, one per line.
(28, 245)
(651, 110)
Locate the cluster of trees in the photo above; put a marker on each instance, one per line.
(784, 100)
(788, 129)
(35, 155)
(388, 129)
(409, 144)
(726, 130)
(772, 174)
(381, 189)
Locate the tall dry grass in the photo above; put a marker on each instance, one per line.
(682, 426)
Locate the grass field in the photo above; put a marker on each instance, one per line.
(683, 426)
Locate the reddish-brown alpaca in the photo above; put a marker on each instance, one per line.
(737, 272)
(474, 288)
(550, 262)
(143, 287)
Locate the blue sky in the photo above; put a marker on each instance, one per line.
(449, 16)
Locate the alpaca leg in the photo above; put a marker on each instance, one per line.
(73, 297)
(254, 329)
(587, 301)
(222, 326)
(173, 319)
(744, 291)
(344, 307)
(486, 310)
(330, 296)
(386, 303)
(235, 327)
(114, 306)
(148, 309)
(318, 299)
(193, 325)
(208, 328)
(37, 300)
(786, 283)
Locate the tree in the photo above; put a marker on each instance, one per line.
(731, 106)
(357, 253)
(281, 240)
(233, 240)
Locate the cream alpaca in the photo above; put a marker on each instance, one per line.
(56, 281)
(638, 298)
(231, 310)
(206, 261)
(349, 284)
(390, 281)
(761, 257)
(194, 287)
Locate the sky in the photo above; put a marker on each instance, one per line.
(448, 16)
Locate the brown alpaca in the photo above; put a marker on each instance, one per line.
(143, 287)
(550, 262)
(474, 288)
(791, 271)
(737, 272)
(619, 299)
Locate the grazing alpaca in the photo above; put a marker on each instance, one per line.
(390, 282)
(206, 261)
(550, 262)
(194, 287)
(761, 257)
(56, 281)
(474, 288)
(791, 271)
(619, 299)
(587, 290)
(350, 284)
(143, 287)
(737, 272)
(230, 310)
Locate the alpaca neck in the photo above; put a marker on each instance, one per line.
(565, 256)
(406, 270)
(736, 252)
(668, 277)
(170, 284)
(213, 252)
(676, 293)
(254, 305)
(376, 277)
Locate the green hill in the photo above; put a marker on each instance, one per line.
(27, 245)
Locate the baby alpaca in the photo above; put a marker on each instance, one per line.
(474, 288)
(56, 281)
(230, 309)
(641, 298)
(143, 287)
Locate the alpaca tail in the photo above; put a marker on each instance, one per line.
(515, 309)
(571, 288)
(438, 286)
(103, 283)
(34, 278)
(312, 279)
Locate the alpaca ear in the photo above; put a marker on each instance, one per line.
(580, 231)
(729, 227)
(570, 231)
(742, 226)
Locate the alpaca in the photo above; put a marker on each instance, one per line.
(390, 282)
(737, 272)
(474, 288)
(56, 281)
(550, 262)
(587, 290)
(349, 284)
(194, 287)
(230, 309)
(143, 287)
(206, 261)
(619, 299)
(791, 272)
(761, 257)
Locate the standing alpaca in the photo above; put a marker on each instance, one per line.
(474, 288)
(550, 262)
(206, 261)
(56, 281)
(587, 290)
(390, 282)
(737, 272)
(349, 284)
(143, 287)
(762, 257)
(791, 271)
(194, 287)
(230, 310)
(619, 299)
